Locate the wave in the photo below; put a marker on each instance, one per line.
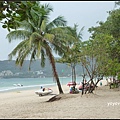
(24, 87)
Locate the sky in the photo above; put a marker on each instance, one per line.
(83, 13)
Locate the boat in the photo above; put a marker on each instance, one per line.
(18, 85)
(44, 91)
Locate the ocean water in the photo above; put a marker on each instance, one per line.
(30, 83)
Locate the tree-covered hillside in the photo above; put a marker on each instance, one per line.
(62, 69)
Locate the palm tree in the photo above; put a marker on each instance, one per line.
(71, 55)
(37, 40)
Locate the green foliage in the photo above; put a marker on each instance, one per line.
(118, 76)
(72, 53)
(107, 37)
(117, 3)
(10, 12)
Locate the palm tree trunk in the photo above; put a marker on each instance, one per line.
(57, 78)
(52, 61)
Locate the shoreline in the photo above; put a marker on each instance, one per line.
(21, 88)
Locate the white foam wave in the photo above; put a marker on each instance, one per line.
(23, 87)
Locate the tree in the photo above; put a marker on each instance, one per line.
(71, 54)
(37, 38)
(93, 58)
(117, 3)
(11, 11)
(108, 35)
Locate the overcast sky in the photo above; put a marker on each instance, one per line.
(83, 13)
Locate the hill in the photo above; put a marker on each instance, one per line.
(62, 69)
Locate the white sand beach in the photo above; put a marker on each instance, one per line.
(104, 103)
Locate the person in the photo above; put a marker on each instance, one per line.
(111, 80)
(100, 83)
(74, 84)
(43, 89)
(85, 82)
(107, 81)
(71, 90)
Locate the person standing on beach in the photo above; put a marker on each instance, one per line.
(111, 80)
(74, 84)
(107, 81)
(41, 87)
(100, 83)
(85, 81)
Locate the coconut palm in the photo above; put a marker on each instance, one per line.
(37, 40)
(71, 56)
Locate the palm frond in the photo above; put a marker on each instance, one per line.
(49, 37)
(22, 51)
(57, 22)
(42, 57)
(35, 37)
(18, 34)
(25, 25)
(48, 8)
(43, 25)
(33, 53)
(36, 41)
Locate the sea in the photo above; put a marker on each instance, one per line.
(11, 84)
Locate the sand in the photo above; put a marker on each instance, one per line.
(103, 103)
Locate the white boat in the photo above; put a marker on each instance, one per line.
(42, 92)
(18, 85)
